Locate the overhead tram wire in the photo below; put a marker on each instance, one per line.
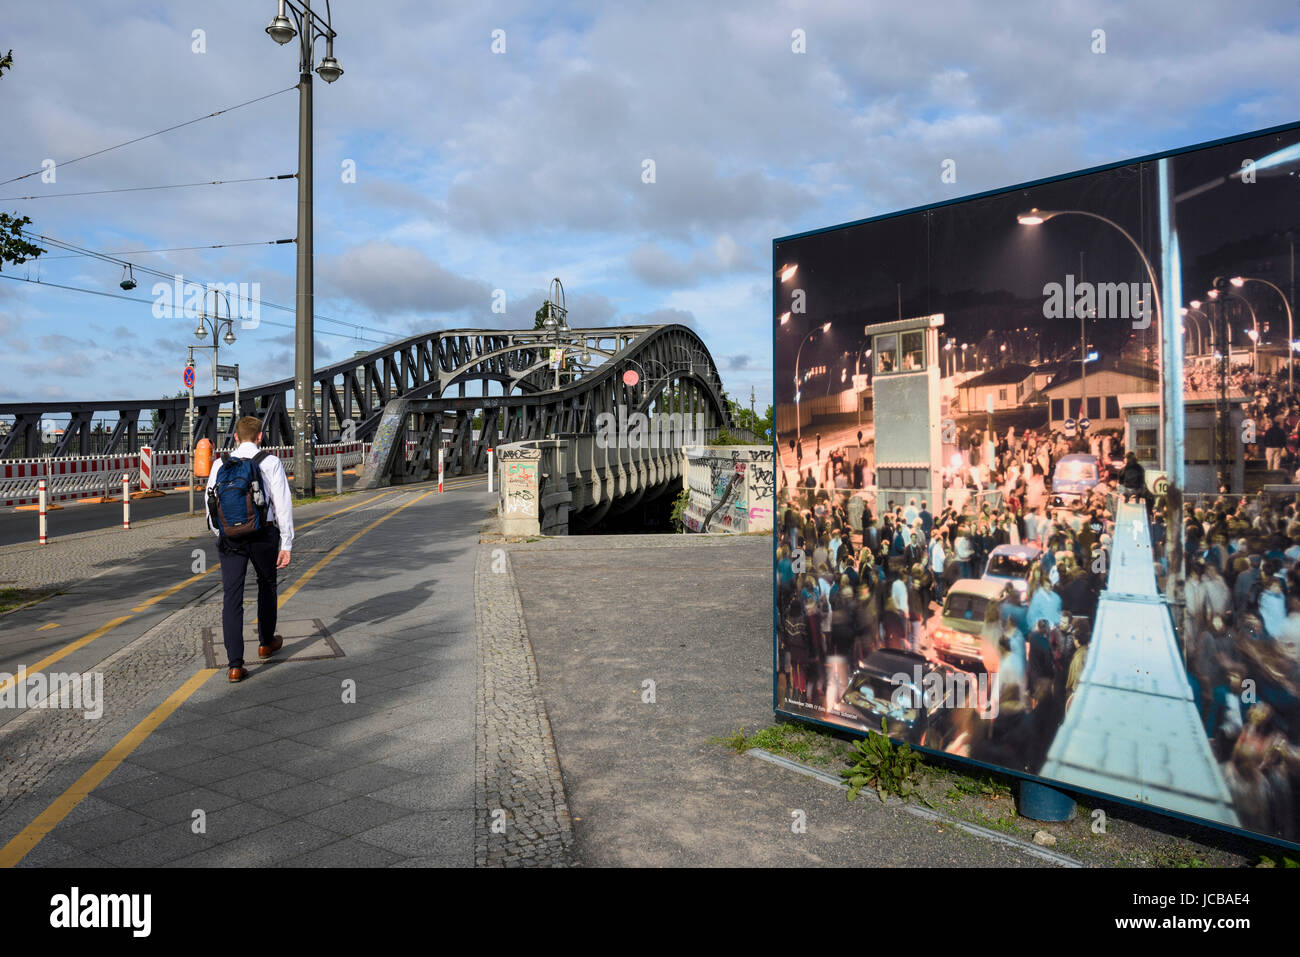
(139, 189)
(149, 270)
(206, 116)
(174, 249)
(150, 302)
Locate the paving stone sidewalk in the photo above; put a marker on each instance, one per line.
(285, 769)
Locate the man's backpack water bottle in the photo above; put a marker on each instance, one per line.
(237, 501)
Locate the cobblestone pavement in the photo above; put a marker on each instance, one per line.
(72, 560)
(647, 782)
(522, 817)
(363, 760)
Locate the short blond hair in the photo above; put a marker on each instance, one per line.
(248, 428)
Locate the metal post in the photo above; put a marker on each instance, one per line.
(126, 502)
(189, 452)
(1174, 423)
(44, 504)
(304, 478)
(490, 475)
(440, 468)
(338, 471)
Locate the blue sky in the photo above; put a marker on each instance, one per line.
(478, 171)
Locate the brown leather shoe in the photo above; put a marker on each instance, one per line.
(266, 651)
(237, 674)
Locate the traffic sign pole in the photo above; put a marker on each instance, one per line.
(188, 379)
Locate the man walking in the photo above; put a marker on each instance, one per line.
(264, 538)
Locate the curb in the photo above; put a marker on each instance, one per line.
(1026, 847)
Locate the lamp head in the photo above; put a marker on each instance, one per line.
(281, 27)
(1035, 217)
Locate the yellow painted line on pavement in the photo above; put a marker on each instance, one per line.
(48, 626)
(147, 603)
(168, 592)
(341, 511)
(66, 650)
(31, 835)
(337, 550)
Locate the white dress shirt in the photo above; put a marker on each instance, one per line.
(276, 486)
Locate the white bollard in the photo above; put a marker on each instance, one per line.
(489, 469)
(338, 471)
(126, 502)
(43, 493)
(440, 470)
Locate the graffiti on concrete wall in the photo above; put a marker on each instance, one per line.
(519, 481)
(735, 483)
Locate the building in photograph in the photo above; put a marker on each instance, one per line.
(1106, 384)
(905, 386)
(1201, 450)
(1007, 386)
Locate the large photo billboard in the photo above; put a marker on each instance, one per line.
(1036, 467)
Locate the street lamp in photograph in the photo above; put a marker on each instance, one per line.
(1240, 281)
(1036, 217)
(297, 19)
(824, 328)
(1191, 311)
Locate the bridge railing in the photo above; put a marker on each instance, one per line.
(544, 482)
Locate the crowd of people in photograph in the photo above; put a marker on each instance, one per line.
(855, 575)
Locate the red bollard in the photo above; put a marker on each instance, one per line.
(44, 504)
(126, 502)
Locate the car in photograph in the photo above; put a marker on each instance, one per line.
(891, 685)
(1011, 563)
(1073, 479)
(958, 632)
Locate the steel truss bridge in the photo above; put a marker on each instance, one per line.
(419, 388)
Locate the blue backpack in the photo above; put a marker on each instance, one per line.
(237, 502)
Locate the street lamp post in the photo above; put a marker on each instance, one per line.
(1036, 217)
(308, 26)
(1253, 332)
(215, 323)
(798, 420)
(1240, 281)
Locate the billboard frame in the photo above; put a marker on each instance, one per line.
(966, 762)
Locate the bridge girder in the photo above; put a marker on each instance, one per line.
(423, 368)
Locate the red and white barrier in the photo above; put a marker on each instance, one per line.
(73, 477)
(163, 470)
(41, 495)
(67, 479)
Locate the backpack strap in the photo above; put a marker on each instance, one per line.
(265, 506)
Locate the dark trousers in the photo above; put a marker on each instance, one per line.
(262, 550)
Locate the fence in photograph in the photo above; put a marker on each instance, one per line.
(73, 477)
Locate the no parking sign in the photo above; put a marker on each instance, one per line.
(189, 377)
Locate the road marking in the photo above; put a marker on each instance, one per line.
(342, 510)
(165, 593)
(168, 592)
(333, 553)
(47, 627)
(31, 835)
(67, 650)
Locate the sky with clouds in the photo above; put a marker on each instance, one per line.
(478, 171)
